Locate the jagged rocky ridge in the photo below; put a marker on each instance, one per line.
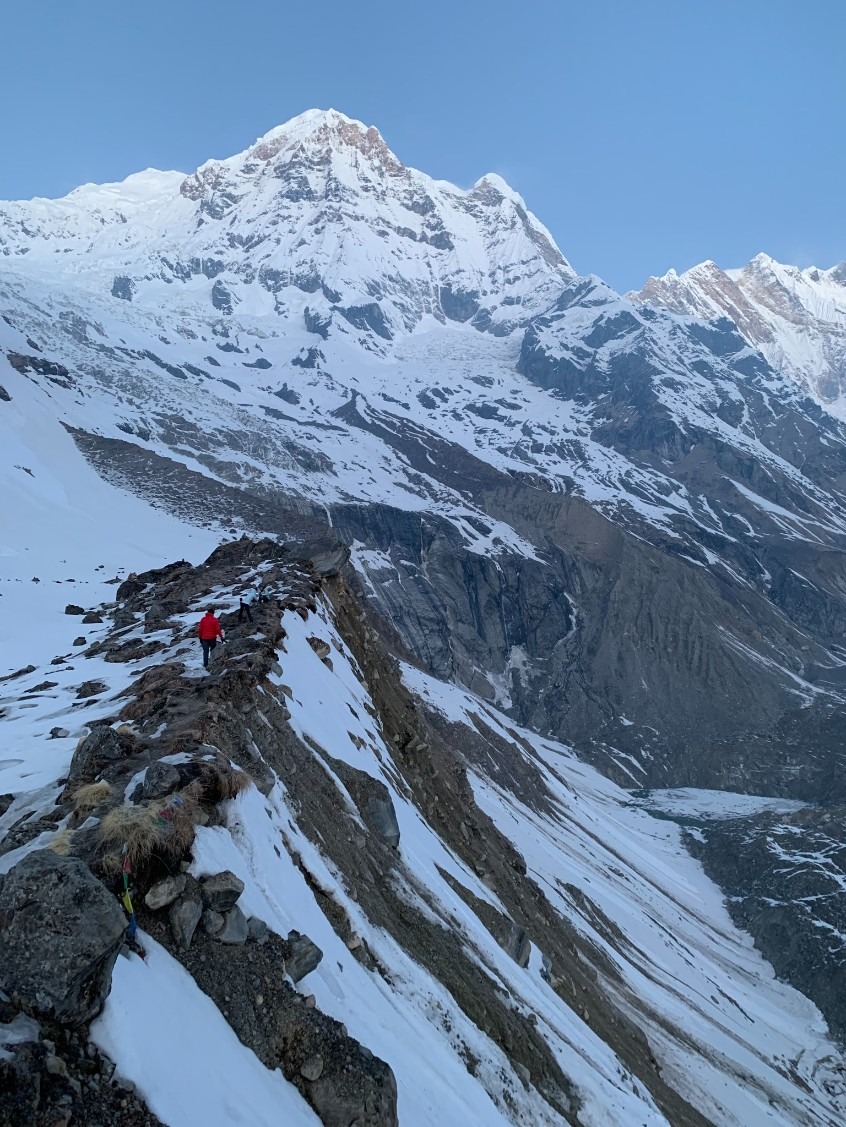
(403, 835)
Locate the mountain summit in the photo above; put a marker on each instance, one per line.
(318, 213)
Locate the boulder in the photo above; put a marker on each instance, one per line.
(383, 819)
(123, 617)
(99, 749)
(320, 647)
(72, 608)
(90, 689)
(302, 957)
(221, 892)
(235, 929)
(184, 916)
(165, 892)
(80, 641)
(160, 779)
(312, 1068)
(91, 618)
(58, 734)
(60, 933)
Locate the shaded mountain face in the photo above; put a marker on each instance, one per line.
(619, 522)
(796, 318)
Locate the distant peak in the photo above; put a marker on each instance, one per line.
(496, 183)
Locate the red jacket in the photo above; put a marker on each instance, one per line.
(209, 628)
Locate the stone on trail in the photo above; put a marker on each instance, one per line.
(165, 892)
(184, 916)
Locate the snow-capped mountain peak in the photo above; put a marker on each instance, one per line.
(795, 317)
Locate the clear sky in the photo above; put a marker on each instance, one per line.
(644, 133)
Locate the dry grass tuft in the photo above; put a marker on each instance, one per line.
(162, 829)
(61, 843)
(218, 780)
(89, 797)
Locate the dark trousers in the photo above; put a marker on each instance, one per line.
(243, 609)
(208, 645)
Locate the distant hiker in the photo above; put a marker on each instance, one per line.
(209, 632)
(244, 607)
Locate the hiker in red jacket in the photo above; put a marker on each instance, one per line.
(209, 632)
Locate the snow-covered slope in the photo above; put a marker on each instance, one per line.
(796, 318)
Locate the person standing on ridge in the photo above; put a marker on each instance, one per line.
(244, 607)
(209, 631)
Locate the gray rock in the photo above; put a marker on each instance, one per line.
(303, 956)
(384, 819)
(123, 617)
(91, 618)
(80, 641)
(99, 749)
(90, 689)
(59, 733)
(60, 933)
(312, 1068)
(235, 929)
(165, 892)
(221, 892)
(184, 916)
(518, 945)
(160, 779)
(212, 922)
(72, 608)
(258, 930)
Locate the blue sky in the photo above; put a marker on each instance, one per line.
(645, 133)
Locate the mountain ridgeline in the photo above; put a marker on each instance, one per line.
(621, 520)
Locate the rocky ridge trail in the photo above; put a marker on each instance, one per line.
(299, 809)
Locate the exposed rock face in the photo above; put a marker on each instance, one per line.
(60, 933)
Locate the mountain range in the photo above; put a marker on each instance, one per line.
(617, 520)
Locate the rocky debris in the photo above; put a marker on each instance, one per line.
(235, 929)
(4, 395)
(301, 956)
(161, 779)
(184, 916)
(72, 608)
(220, 892)
(91, 618)
(62, 1082)
(518, 945)
(122, 617)
(60, 933)
(42, 687)
(6, 801)
(287, 1031)
(101, 748)
(58, 734)
(165, 892)
(90, 689)
(80, 641)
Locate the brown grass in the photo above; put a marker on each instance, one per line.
(163, 829)
(89, 797)
(61, 842)
(218, 781)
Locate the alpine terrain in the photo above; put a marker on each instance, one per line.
(545, 649)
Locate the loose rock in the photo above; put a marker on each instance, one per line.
(221, 892)
(235, 929)
(165, 892)
(303, 956)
